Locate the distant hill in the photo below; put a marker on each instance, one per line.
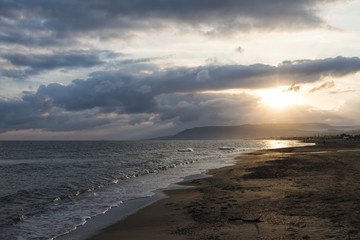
(250, 131)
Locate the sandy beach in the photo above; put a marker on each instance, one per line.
(292, 193)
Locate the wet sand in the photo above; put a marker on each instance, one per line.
(298, 193)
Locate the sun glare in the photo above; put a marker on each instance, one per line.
(279, 97)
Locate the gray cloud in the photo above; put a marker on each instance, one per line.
(139, 61)
(315, 69)
(55, 60)
(25, 65)
(328, 84)
(40, 22)
(292, 88)
(351, 109)
(172, 94)
(303, 113)
(215, 77)
(239, 49)
(344, 91)
(136, 93)
(207, 109)
(33, 112)
(17, 74)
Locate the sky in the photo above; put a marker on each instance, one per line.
(136, 69)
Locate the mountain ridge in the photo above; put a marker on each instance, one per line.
(251, 131)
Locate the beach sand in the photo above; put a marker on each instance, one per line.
(299, 193)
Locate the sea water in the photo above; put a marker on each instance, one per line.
(48, 189)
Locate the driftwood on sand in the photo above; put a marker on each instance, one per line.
(246, 220)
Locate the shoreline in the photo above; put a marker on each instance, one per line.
(94, 225)
(299, 193)
(97, 224)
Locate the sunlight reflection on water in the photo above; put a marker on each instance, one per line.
(282, 144)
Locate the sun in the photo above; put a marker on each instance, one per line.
(279, 98)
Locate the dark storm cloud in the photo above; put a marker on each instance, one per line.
(39, 22)
(113, 92)
(172, 93)
(17, 112)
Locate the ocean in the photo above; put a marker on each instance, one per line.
(50, 188)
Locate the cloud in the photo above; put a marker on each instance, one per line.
(293, 88)
(304, 113)
(136, 93)
(45, 23)
(207, 109)
(202, 76)
(175, 94)
(21, 66)
(145, 89)
(351, 109)
(20, 35)
(239, 49)
(313, 70)
(136, 61)
(17, 74)
(53, 61)
(34, 113)
(328, 84)
(345, 91)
